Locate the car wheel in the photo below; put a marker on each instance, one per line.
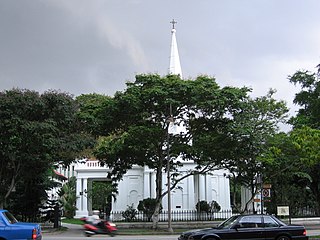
(211, 239)
(283, 238)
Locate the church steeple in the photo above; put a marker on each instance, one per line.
(175, 67)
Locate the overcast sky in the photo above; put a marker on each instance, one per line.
(86, 46)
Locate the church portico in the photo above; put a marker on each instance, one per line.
(87, 171)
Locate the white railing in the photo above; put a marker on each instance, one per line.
(89, 164)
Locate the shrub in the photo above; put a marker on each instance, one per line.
(214, 206)
(147, 206)
(130, 213)
(203, 206)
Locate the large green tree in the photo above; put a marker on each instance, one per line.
(308, 99)
(137, 123)
(292, 160)
(257, 121)
(92, 113)
(37, 130)
(307, 138)
(306, 141)
(292, 167)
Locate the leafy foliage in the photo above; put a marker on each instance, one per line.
(130, 213)
(37, 130)
(102, 194)
(305, 135)
(251, 129)
(91, 112)
(49, 210)
(137, 123)
(208, 207)
(203, 206)
(217, 128)
(67, 197)
(286, 171)
(307, 98)
(148, 206)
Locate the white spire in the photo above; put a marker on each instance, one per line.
(175, 67)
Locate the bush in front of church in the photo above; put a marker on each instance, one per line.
(147, 206)
(130, 213)
(204, 206)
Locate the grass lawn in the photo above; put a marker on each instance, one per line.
(72, 221)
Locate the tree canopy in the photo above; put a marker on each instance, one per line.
(307, 99)
(37, 130)
(216, 127)
(292, 159)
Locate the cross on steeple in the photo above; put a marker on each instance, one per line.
(173, 23)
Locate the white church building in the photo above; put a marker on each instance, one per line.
(139, 182)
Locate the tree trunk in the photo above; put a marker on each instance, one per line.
(4, 198)
(155, 216)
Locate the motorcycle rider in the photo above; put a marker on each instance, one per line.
(96, 220)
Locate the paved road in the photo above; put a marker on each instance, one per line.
(76, 232)
(62, 237)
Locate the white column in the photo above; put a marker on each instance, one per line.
(202, 187)
(153, 185)
(226, 194)
(146, 184)
(89, 204)
(79, 198)
(190, 191)
(196, 188)
(82, 202)
(84, 195)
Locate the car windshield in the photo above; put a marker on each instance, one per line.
(227, 223)
(11, 219)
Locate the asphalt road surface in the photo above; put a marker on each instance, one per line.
(76, 232)
(99, 237)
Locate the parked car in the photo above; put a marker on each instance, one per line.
(11, 229)
(264, 227)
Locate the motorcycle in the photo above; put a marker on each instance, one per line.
(98, 227)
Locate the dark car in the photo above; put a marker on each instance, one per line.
(254, 226)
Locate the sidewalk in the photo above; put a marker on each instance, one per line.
(66, 228)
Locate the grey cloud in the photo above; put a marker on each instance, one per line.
(83, 46)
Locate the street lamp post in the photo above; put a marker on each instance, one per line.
(261, 196)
